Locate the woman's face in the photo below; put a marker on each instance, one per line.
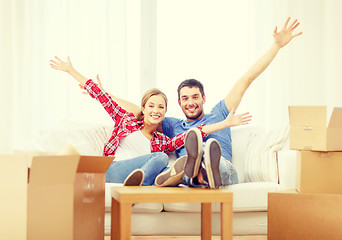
(154, 110)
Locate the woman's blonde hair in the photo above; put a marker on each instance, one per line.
(149, 93)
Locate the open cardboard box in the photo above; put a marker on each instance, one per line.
(319, 172)
(66, 197)
(298, 216)
(13, 185)
(309, 130)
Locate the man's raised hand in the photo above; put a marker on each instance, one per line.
(285, 35)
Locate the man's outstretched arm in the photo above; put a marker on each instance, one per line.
(281, 39)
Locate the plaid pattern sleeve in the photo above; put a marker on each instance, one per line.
(112, 108)
(162, 143)
(124, 122)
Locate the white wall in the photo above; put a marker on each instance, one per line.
(101, 37)
(135, 45)
(6, 81)
(217, 42)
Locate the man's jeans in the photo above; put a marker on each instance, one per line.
(228, 175)
(152, 164)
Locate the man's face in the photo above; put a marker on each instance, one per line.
(191, 101)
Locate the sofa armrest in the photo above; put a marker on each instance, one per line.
(287, 168)
(261, 163)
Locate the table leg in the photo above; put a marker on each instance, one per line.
(206, 221)
(226, 220)
(115, 224)
(125, 219)
(121, 220)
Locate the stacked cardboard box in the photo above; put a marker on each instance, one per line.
(13, 186)
(52, 195)
(314, 209)
(66, 197)
(49, 196)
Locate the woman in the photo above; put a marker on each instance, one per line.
(140, 150)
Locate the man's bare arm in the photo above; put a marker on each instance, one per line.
(232, 120)
(281, 39)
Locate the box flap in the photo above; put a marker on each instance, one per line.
(53, 169)
(336, 118)
(92, 164)
(308, 116)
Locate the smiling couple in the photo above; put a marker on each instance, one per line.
(143, 136)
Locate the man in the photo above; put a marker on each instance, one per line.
(191, 98)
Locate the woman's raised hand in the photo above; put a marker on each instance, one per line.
(58, 64)
(98, 83)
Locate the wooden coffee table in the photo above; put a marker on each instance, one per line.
(124, 197)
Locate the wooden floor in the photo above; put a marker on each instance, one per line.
(259, 237)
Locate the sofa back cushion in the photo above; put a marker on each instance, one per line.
(241, 138)
(89, 139)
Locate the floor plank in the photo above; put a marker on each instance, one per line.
(249, 237)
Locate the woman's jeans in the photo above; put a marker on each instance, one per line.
(152, 164)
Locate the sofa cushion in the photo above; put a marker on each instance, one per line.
(176, 223)
(241, 138)
(287, 162)
(261, 157)
(247, 197)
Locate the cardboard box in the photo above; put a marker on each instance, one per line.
(319, 172)
(297, 216)
(13, 200)
(66, 197)
(309, 131)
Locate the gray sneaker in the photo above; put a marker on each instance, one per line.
(212, 157)
(173, 176)
(135, 178)
(194, 147)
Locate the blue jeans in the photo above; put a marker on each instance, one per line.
(152, 164)
(229, 175)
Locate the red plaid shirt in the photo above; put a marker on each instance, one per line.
(126, 123)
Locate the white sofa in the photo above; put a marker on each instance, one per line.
(263, 165)
(261, 159)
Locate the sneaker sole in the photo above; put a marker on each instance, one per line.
(194, 147)
(135, 178)
(212, 157)
(173, 176)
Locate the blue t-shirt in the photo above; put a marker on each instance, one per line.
(173, 126)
